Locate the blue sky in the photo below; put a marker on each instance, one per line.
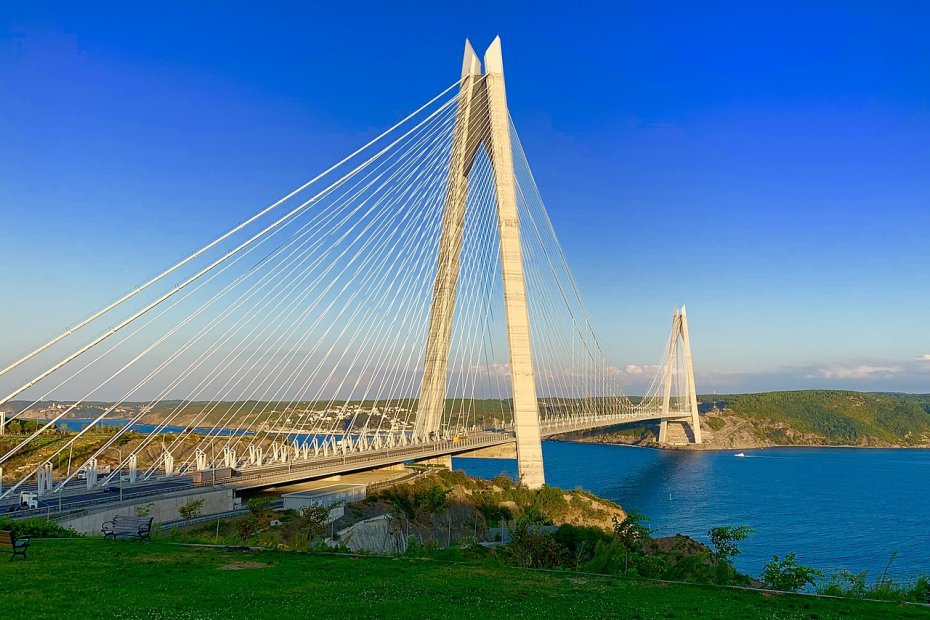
(767, 166)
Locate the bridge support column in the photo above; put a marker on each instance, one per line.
(44, 479)
(133, 469)
(90, 470)
(482, 119)
(692, 391)
(2, 423)
(440, 461)
(169, 464)
(691, 415)
(200, 458)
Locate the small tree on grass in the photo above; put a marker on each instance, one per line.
(312, 519)
(630, 531)
(259, 507)
(191, 509)
(725, 539)
(788, 575)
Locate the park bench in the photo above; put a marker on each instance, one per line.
(125, 526)
(9, 541)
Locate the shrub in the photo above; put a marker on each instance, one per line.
(311, 520)
(488, 504)
(259, 506)
(530, 517)
(615, 558)
(580, 542)
(788, 575)
(530, 548)
(845, 583)
(191, 509)
(503, 481)
(715, 424)
(36, 528)
(425, 495)
(551, 502)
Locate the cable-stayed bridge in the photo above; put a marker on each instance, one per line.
(409, 303)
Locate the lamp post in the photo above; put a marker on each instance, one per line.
(119, 473)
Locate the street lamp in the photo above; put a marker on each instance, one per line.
(119, 473)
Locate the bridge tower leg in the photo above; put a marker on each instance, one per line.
(90, 471)
(679, 332)
(482, 119)
(689, 367)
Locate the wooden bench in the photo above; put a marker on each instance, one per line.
(125, 526)
(18, 546)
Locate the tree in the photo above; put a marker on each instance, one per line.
(191, 509)
(530, 548)
(725, 537)
(313, 518)
(788, 575)
(630, 531)
(531, 518)
(259, 506)
(145, 509)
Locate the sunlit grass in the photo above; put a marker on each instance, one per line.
(95, 579)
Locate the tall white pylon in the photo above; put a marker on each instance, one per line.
(482, 120)
(679, 333)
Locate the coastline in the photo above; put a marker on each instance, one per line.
(706, 448)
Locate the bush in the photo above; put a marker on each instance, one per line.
(615, 558)
(530, 548)
(427, 495)
(788, 575)
(36, 528)
(551, 502)
(191, 509)
(580, 542)
(844, 583)
(854, 585)
(259, 506)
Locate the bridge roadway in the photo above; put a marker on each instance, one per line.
(255, 477)
(77, 496)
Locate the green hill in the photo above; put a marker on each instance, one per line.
(796, 418)
(841, 417)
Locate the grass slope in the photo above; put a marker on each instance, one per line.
(88, 578)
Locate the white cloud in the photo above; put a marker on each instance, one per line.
(634, 370)
(862, 371)
(924, 358)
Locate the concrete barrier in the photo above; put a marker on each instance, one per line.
(164, 508)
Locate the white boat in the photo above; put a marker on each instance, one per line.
(739, 454)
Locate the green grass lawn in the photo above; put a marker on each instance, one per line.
(87, 578)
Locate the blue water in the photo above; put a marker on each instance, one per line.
(837, 508)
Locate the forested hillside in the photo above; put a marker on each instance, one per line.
(807, 417)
